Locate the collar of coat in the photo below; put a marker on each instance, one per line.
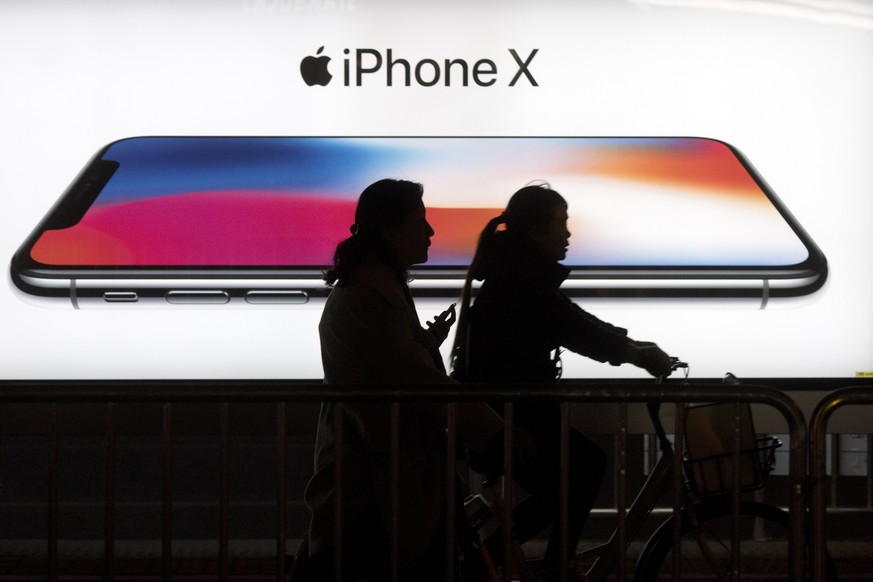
(517, 261)
(380, 277)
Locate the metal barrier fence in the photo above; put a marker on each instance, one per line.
(850, 396)
(226, 393)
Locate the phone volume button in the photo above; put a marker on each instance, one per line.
(277, 297)
(120, 297)
(198, 297)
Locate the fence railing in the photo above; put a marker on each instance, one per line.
(850, 396)
(226, 393)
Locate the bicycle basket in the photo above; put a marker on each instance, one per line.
(709, 447)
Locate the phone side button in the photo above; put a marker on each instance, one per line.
(120, 297)
(277, 297)
(198, 297)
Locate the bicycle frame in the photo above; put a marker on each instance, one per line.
(663, 474)
(606, 555)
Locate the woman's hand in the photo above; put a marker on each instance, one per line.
(442, 323)
(650, 357)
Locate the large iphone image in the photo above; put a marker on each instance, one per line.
(253, 221)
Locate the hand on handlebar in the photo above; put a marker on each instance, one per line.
(650, 357)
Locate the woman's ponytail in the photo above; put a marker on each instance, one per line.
(482, 258)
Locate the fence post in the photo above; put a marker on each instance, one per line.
(818, 468)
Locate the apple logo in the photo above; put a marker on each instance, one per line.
(313, 69)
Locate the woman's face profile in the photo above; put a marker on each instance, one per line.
(411, 238)
(553, 238)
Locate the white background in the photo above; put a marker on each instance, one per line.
(788, 83)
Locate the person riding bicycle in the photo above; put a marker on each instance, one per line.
(513, 333)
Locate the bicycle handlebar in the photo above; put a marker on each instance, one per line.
(655, 407)
(677, 363)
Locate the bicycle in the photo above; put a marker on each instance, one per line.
(710, 546)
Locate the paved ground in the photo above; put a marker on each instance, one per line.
(255, 561)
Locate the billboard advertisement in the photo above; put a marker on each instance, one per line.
(174, 176)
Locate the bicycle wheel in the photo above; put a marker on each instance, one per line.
(763, 545)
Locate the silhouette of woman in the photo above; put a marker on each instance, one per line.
(370, 334)
(514, 333)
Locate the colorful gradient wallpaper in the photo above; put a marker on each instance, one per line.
(288, 201)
